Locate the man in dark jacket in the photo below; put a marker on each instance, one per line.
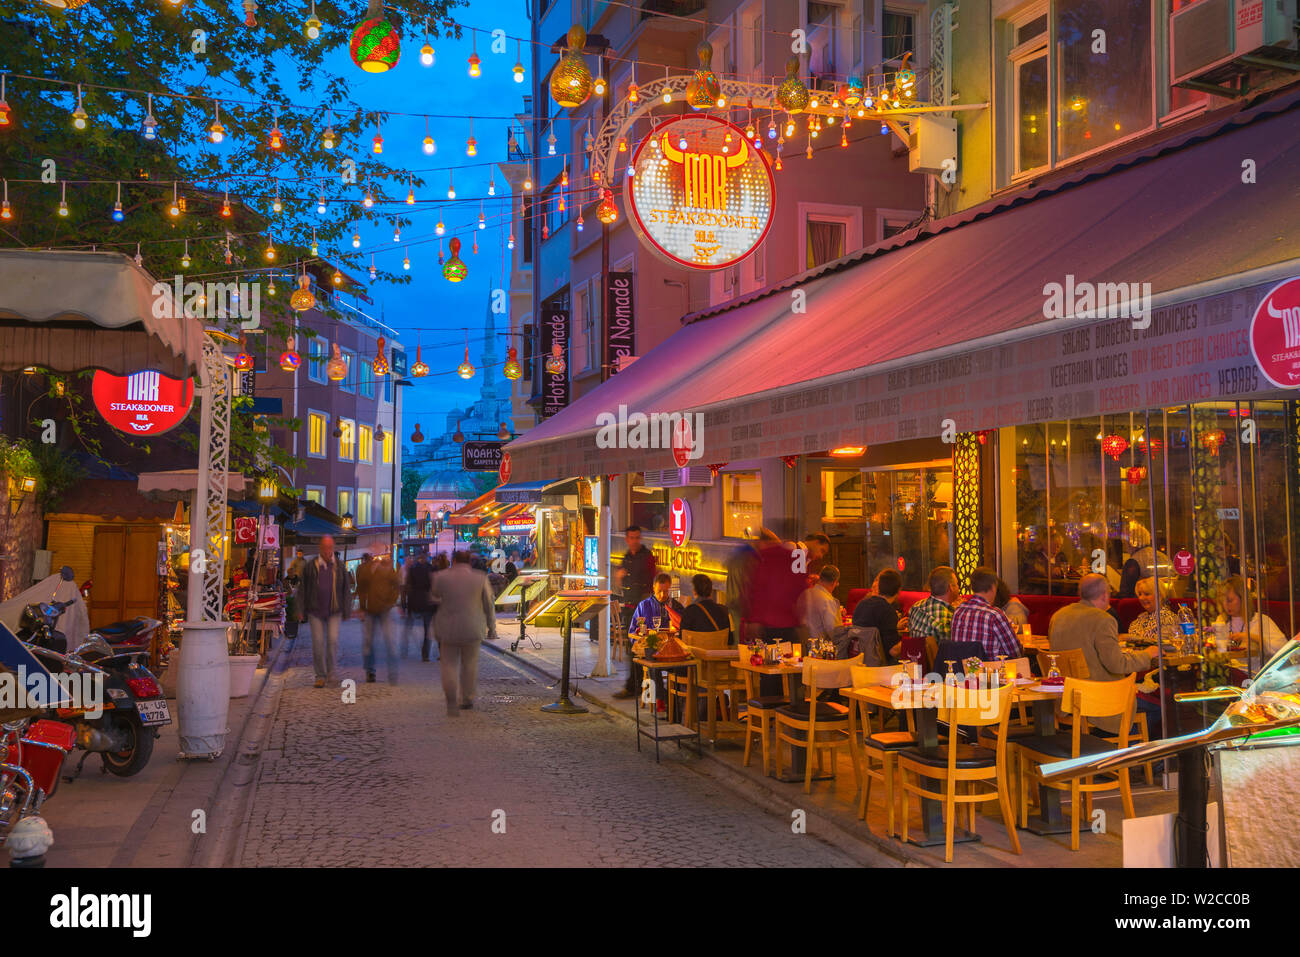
(419, 603)
(325, 600)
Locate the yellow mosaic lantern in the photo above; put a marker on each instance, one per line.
(571, 79)
(792, 94)
(302, 298)
(703, 91)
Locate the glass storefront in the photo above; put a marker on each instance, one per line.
(742, 504)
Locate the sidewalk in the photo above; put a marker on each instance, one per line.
(835, 806)
(149, 819)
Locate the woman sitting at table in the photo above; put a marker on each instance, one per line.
(1233, 592)
(1144, 628)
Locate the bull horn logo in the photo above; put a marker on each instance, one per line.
(678, 156)
(705, 174)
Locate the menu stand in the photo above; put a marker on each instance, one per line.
(573, 607)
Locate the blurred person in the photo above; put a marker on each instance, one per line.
(1011, 606)
(776, 589)
(740, 566)
(325, 600)
(466, 617)
(977, 620)
(418, 595)
(817, 547)
(378, 588)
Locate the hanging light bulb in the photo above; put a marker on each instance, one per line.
(512, 369)
(419, 370)
(466, 369)
(441, 257)
(598, 87)
(328, 139)
(426, 51)
(668, 96)
(185, 257)
(216, 132)
(844, 137)
(580, 220)
(518, 68)
(471, 144)
(451, 185)
(356, 240)
(397, 233)
(6, 112)
(475, 246)
(439, 228)
(406, 259)
(7, 213)
(226, 212)
(482, 221)
(771, 128)
(369, 200)
(528, 184)
(373, 271)
(564, 175)
(79, 116)
(492, 185)
(175, 208)
(550, 143)
(633, 93)
(410, 191)
(139, 260)
(607, 212)
(117, 214)
(778, 164)
(270, 249)
(622, 144)
(681, 141)
(275, 139)
(510, 243)
(587, 140)
(321, 206)
(429, 146)
(277, 206)
(337, 279)
(377, 144)
(474, 61)
(314, 247)
(560, 205)
(311, 28)
(149, 126)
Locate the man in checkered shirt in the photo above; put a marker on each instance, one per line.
(976, 619)
(931, 617)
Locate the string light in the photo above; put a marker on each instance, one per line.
(406, 258)
(321, 207)
(270, 249)
(474, 61)
(373, 272)
(426, 51)
(451, 185)
(668, 94)
(439, 228)
(518, 68)
(471, 144)
(311, 28)
(118, 215)
(314, 246)
(175, 208)
(150, 125)
(329, 139)
(550, 142)
(185, 258)
(429, 146)
(369, 200)
(277, 206)
(377, 144)
(79, 115)
(216, 132)
(510, 243)
(528, 184)
(482, 221)
(275, 139)
(356, 240)
(492, 184)
(6, 113)
(6, 212)
(410, 191)
(397, 233)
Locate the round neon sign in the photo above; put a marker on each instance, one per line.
(701, 194)
(147, 403)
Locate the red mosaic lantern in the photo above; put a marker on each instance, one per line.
(1136, 474)
(1211, 441)
(1114, 446)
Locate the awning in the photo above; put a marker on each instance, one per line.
(517, 515)
(884, 347)
(311, 528)
(474, 512)
(67, 311)
(185, 481)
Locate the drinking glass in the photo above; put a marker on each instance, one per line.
(1052, 670)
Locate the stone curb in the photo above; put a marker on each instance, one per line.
(862, 847)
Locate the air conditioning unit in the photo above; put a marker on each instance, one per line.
(1211, 42)
(931, 143)
(693, 476)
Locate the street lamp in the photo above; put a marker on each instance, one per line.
(25, 485)
(347, 522)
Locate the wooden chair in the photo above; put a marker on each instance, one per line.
(617, 631)
(1139, 732)
(708, 641)
(760, 714)
(1082, 700)
(981, 771)
(823, 724)
(880, 746)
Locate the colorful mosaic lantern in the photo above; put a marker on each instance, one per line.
(1114, 446)
(792, 95)
(703, 91)
(455, 270)
(380, 364)
(375, 45)
(571, 79)
(512, 369)
(289, 358)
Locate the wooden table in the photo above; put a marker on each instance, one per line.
(714, 664)
(792, 679)
(1043, 703)
(671, 731)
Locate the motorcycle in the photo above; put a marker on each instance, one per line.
(133, 706)
(31, 761)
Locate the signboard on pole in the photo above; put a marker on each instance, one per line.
(397, 362)
(481, 456)
(147, 403)
(555, 384)
(620, 322)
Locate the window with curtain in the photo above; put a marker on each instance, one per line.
(897, 34)
(366, 444)
(316, 493)
(345, 503)
(316, 425)
(349, 383)
(363, 507)
(367, 380)
(317, 351)
(347, 440)
(386, 508)
(825, 242)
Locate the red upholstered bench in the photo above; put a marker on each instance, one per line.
(906, 599)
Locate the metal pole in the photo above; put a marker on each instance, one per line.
(396, 500)
(1155, 574)
(1189, 823)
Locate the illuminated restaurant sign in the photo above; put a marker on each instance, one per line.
(147, 403)
(1275, 334)
(701, 194)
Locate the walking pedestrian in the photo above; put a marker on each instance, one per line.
(465, 618)
(635, 575)
(325, 599)
(419, 602)
(378, 589)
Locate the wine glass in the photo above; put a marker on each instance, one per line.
(1052, 671)
(951, 677)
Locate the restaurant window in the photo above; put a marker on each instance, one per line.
(317, 423)
(742, 504)
(315, 493)
(649, 508)
(905, 518)
(1084, 74)
(363, 507)
(345, 503)
(347, 440)
(317, 351)
(826, 241)
(897, 35)
(386, 508)
(367, 380)
(365, 444)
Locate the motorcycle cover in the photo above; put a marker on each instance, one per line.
(74, 622)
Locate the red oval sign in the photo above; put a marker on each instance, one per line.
(1275, 334)
(1184, 562)
(679, 522)
(683, 442)
(147, 403)
(504, 470)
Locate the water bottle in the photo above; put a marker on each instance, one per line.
(1187, 625)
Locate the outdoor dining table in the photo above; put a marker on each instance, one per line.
(1049, 820)
(791, 675)
(689, 727)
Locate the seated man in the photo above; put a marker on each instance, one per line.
(976, 619)
(704, 614)
(1088, 626)
(931, 617)
(819, 610)
(879, 610)
(653, 609)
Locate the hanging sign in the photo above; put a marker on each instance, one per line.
(481, 456)
(503, 471)
(679, 522)
(1184, 562)
(702, 194)
(555, 382)
(683, 442)
(147, 403)
(245, 530)
(620, 322)
(270, 536)
(1275, 334)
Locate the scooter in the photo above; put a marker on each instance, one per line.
(31, 761)
(133, 706)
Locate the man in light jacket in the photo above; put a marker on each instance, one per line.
(466, 617)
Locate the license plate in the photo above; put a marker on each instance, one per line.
(154, 712)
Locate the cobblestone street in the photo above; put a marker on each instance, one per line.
(391, 780)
